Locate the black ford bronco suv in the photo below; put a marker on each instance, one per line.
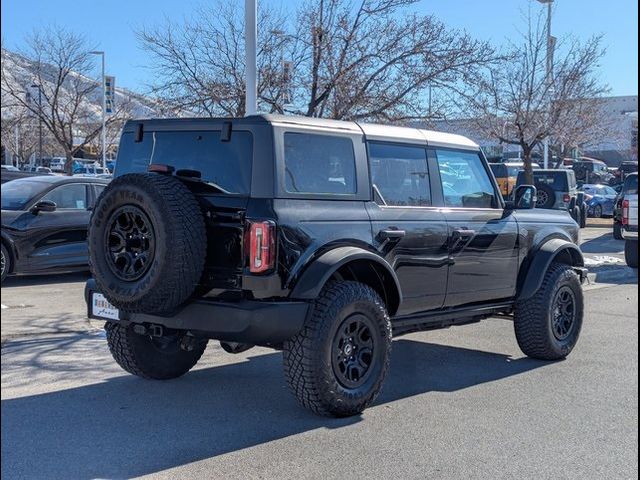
(322, 239)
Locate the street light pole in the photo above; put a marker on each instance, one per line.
(39, 87)
(104, 110)
(250, 35)
(549, 71)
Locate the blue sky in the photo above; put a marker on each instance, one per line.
(110, 25)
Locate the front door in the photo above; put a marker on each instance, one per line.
(59, 239)
(482, 241)
(409, 232)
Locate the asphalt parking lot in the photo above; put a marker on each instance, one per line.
(458, 403)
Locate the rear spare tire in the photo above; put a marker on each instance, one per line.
(147, 243)
(546, 196)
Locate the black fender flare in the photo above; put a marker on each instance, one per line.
(316, 275)
(556, 249)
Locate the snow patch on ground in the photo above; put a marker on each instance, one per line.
(597, 260)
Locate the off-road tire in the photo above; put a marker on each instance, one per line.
(6, 263)
(533, 316)
(617, 230)
(308, 363)
(138, 355)
(551, 196)
(179, 236)
(631, 253)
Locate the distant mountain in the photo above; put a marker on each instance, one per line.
(21, 74)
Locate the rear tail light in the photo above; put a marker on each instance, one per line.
(566, 198)
(625, 212)
(262, 246)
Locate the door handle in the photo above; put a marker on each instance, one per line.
(460, 235)
(391, 234)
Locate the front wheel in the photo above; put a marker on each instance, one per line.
(631, 253)
(337, 363)
(158, 358)
(6, 263)
(548, 325)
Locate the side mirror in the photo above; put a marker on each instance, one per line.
(44, 206)
(525, 197)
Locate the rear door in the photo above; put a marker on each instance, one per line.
(482, 241)
(408, 230)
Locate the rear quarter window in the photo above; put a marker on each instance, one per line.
(225, 165)
(319, 164)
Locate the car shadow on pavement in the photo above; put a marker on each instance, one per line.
(602, 244)
(127, 426)
(44, 279)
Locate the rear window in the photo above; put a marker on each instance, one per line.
(225, 165)
(321, 164)
(556, 180)
(499, 170)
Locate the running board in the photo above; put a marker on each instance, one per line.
(448, 318)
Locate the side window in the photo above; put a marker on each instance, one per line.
(321, 164)
(73, 196)
(465, 181)
(400, 174)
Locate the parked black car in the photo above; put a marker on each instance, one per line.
(44, 223)
(322, 239)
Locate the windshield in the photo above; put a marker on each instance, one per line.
(18, 193)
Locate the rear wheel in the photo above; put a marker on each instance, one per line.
(583, 216)
(158, 358)
(631, 253)
(548, 325)
(617, 230)
(597, 211)
(336, 365)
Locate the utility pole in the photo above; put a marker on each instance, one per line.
(104, 110)
(250, 35)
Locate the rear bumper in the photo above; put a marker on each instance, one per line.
(247, 321)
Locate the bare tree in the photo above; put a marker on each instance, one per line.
(372, 60)
(199, 62)
(514, 101)
(375, 61)
(58, 90)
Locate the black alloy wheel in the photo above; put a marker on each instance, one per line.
(563, 313)
(353, 350)
(131, 243)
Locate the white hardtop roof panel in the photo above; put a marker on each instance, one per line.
(390, 133)
(415, 135)
(441, 139)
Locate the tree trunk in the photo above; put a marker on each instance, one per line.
(68, 164)
(528, 168)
